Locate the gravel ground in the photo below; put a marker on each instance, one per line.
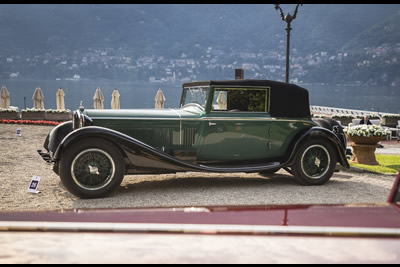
(19, 161)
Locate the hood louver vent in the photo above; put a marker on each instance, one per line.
(162, 137)
(155, 137)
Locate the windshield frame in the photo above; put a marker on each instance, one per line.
(200, 90)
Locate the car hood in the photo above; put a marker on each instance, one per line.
(144, 113)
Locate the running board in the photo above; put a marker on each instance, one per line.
(45, 156)
(242, 168)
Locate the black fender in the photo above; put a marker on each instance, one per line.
(323, 133)
(334, 126)
(56, 135)
(140, 155)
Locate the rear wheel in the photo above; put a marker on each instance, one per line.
(92, 168)
(315, 162)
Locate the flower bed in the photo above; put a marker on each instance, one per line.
(370, 116)
(8, 114)
(40, 122)
(46, 114)
(390, 120)
(344, 119)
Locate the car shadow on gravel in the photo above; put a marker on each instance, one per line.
(205, 189)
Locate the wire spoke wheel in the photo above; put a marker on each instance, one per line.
(315, 161)
(93, 169)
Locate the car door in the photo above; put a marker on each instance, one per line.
(237, 126)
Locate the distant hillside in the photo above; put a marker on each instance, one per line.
(177, 28)
(386, 31)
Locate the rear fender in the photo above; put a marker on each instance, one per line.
(322, 133)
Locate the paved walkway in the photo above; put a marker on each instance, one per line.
(391, 147)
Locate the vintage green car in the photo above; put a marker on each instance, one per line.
(220, 126)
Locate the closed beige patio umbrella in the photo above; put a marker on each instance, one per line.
(160, 99)
(38, 99)
(4, 98)
(60, 99)
(98, 99)
(222, 101)
(115, 99)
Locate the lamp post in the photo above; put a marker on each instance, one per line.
(288, 19)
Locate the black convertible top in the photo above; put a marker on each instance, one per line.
(287, 100)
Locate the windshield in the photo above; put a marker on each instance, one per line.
(197, 95)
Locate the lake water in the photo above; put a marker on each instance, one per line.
(141, 94)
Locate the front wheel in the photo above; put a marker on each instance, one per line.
(92, 168)
(315, 162)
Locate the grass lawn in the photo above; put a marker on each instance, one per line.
(387, 164)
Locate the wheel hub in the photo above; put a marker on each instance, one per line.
(93, 169)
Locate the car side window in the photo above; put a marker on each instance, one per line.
(241, 99)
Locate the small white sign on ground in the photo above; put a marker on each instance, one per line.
(19, 132)
(34, 184)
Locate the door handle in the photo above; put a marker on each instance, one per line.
(212, 123)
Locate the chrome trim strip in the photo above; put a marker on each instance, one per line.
(180, 133)
(202, 119)
(197, 228)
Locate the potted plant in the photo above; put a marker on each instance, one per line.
(365, 134)
(364, 140)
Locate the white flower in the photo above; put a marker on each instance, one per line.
(366, 130)
(338, 115)
(47, 110)
(7, 110)
(391, 116)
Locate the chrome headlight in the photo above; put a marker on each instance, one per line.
(80, 120)
(76, 119)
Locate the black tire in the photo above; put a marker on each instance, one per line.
(92, 168)
(56, 169)
(315, 162)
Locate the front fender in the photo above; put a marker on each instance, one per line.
(91, 132)
(319, 132)
(55, 137)
(138, 153)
